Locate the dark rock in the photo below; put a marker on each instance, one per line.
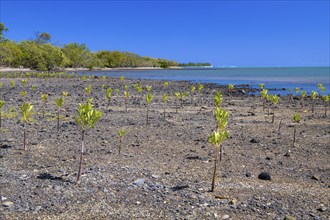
(287, 154)
(264, 176)
(315, 177)
(321, 208)
(254, 141)
(248, 174)
(176, 188)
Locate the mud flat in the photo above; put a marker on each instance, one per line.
(165, 168)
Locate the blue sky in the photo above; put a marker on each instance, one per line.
(225, 33)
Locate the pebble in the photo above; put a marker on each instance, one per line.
(264, 176)
(321, 208)
(315, 177)
(8, 204)
(139, 182)
(155, 176)
(288, 217)
(233, 202)
(254, 141)
(225, 217)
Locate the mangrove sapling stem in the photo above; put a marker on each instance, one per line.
(24, 141)
(81, 156)
(294, 135)
(296, 119)
(279, 125)
(2, 104)
(215, 168)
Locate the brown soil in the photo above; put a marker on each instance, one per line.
(165, 168)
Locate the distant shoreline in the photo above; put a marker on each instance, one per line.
(5, 69)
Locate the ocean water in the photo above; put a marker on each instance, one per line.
(280, 78)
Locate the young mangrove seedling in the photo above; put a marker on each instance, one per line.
(64, 95)
(165, 84)
(87, 118)
(217, 137)
(321, 88)
(303, 95)
(275, 100)
(148, 99)
(23, 94)
(199, 89)
(183, 97)
(117, 91)
(26, 110)
(178, 97)
(33, 87)
(313, 97)
(44, 100)
(192, 91)
(59, 103)
(84, 78)
(264, 98)
(103, 86)
(217, 99)
(164, 99)
(230, 88)
(296, 119)
(325, 99)
(88, 89)
(12, 84)
(148, 88)
(126, 87)
(108, 94)
(261, 86)
(126, 95)
(2, 104)
(121, 79)
(139, 90)
(121, 134)
(24, 82)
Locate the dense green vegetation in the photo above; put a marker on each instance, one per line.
(40, 54)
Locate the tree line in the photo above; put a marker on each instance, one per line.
(40, 54)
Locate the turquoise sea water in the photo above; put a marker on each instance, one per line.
(306, 78)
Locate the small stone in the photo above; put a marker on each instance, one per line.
(287, 154)
(139, 182)
(315, 177)
(254, 141)
(57, 188)
(264, 176)
(37, 208)
(248, 174)
(8, 204)
(321, 208)
(138, 202)
(288, 217)
(233, 202)
(155, 176)
(225, 217)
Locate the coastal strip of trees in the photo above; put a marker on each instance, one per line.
(40, 54)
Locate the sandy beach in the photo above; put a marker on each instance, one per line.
(165, 168)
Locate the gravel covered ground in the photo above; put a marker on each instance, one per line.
(165, 168)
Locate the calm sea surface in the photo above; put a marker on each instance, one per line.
(306, 78)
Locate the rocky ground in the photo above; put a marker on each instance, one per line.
(165, 168)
